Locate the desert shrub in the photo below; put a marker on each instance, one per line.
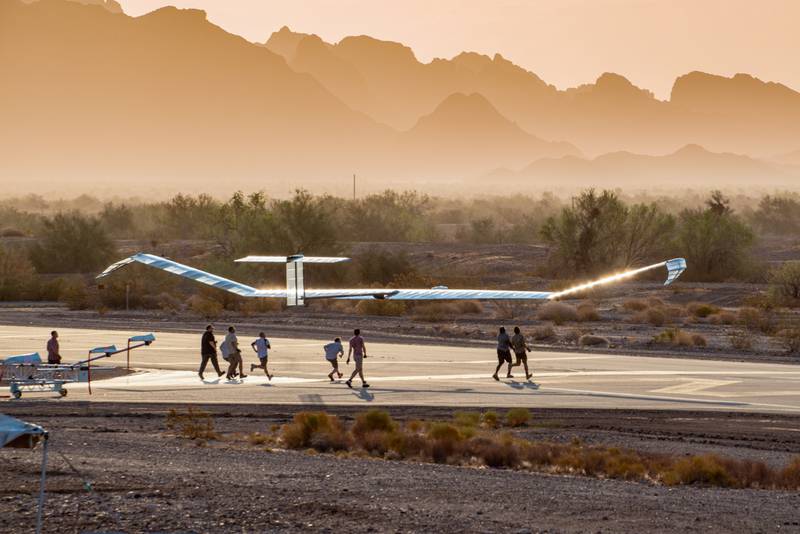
(784, 284)
(587, 312)
(778, 214)
(434, 312)
(192, 424)
(495, 453)
(169, 302)
(443, 440)
(699, 340)
(714, 241)
(408, 444)
(257, 438)
(205, 307)
(789, 338)
(558, 312)
(490, 419)
(674, 336)
(373, 420)
(635, 305)
(382, 267)
(653, 316)
(467, 419)
(706, 469)
(17, 277)
(591, 340)
(742, 340)
(701, 309)
(517, 417)
(756, 319)
(573, 335)
(598, 232)
(723, 317)
(72, 243)
(509, 309)
(317, 430)
(543, 332)
(790, 475)
(381, 307)
(75, 294)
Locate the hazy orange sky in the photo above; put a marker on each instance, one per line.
(566, 42)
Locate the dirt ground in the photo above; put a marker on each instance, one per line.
(145, 479)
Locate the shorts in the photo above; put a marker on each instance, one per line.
(264, 359)
(503, 355)
(333, 361)
(358, 358)
(521, 356)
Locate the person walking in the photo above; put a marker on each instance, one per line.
(53, 349)
(208, 351)
(231, 349)
(358, 350)
(521, 350)
(262, 347)
(333, 351)
(503, 353)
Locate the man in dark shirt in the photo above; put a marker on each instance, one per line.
(503, 353)
(208, 351)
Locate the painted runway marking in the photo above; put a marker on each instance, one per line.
(696, 386)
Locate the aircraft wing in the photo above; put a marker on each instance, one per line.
(431, 294)
(197, 275)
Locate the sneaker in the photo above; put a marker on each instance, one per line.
(364, 385)
(269, 377)
(244, 376)
(220, 373)
(496, 377)
(509, 376)
(530, 375)
(252, 366)
(349, 384)
(201, 376)
(329, 376)
(340, 375)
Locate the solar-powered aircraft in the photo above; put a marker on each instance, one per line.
(296, 294)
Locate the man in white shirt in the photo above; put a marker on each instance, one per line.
(234, 356)
(261, 346)
(332, 352)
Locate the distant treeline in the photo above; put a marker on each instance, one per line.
(593, 232)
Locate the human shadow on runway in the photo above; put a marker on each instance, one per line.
(211, 382)
(522, 385)
(363, 394)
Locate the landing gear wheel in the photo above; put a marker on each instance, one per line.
(63, 392)
(17, 394)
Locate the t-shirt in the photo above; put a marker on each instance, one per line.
(518, 342)
(230, 345)
(52, 350)
(208, 345)
(262, 347)
(332, 350)
(503, 341)
(357, 344)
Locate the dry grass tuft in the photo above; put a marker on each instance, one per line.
(742, 340)
(701, 310)
(558, 312)
(541, 333)
(490, 419)
(517, 417)
(635, 305)
(384, 308)
(315, 430)
(192, 424)
(678, 337)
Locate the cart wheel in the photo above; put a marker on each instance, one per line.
(17, 394)
(63, 392)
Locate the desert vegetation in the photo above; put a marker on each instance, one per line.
(488, 439)
(50, 250)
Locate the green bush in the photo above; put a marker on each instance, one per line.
(784, 284)
(374, 420)
(72, 243)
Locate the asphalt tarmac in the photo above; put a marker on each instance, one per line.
(416, 375)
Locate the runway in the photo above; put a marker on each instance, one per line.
(419, 375)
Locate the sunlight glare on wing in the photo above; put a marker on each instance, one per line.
(605, 280)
